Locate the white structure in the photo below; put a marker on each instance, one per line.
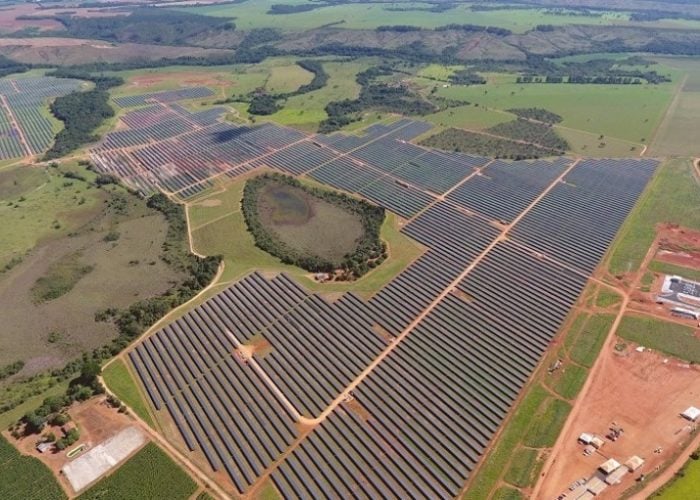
(609, 466)
(634, 463)
(586, 438)
(691, 414)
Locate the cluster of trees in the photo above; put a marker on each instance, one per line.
(263, 104)
(369, 252)
(80, 112)
(462, 141)
(284, 8)
(10, 369)
(469, 28)
(8, 66)
(52, 408)
(467, 77)
(595, 71)
(541, 134)
(388, 97)
(147, 25)
(537, 114)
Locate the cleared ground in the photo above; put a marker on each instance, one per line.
(308, 224)
(644, 395)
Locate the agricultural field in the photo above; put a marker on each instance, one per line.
(25, 477)
(150, 473)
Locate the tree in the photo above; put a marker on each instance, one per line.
(89, 372)
(34, 421)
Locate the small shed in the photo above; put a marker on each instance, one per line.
(585, 438)
(616, 476)
(609, 466)
(586, 495)
(44, 447)
(634, 463)
(597, 442)
(692, 414)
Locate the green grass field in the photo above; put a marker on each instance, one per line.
(672, 196)
(670, 338)
(547, 423)
(117, 377)
(682, 487)
(251, 15)
(25, 477)
(583, 107)
(523, 467)
(676, 135)
(219, 228)
(590, 338)
(666, 268)
(148, 474)
(569, 382)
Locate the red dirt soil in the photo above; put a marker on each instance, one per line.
(679, 246)
(644, 395)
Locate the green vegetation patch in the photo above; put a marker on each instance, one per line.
(671, 338)
(606, 298)
(540, 134)
(672, 196)
(148, 474)
(463, 141)
(117, 377)
(569, 381)
(538, 114)
(315, 229)
(496, 460)
(591, 338)
(685, 484)
(60, 278)
(25, 477)
(548, 421)
(507, 493)
(667, 268)
(524, 467)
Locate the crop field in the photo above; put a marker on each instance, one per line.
(150, 473)
(296, 353)
(25, 477)
(25, 129)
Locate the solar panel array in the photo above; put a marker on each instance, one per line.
(164, 96)
(459, 331)
(22, 99)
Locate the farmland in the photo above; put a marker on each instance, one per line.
(25, 477)
(149, 473)
(183, 366)
(670, 338)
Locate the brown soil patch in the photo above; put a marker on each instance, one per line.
(186, 78)
(353, 406)
(258, 346)
(96, 422)
(644, 393)
(679, 246)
